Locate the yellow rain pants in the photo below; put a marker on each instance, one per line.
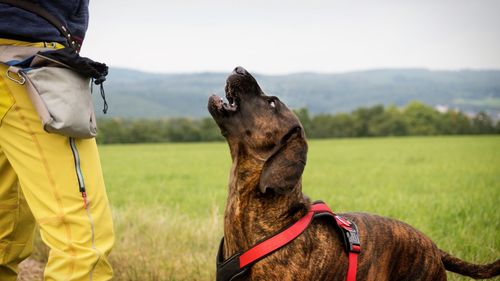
(38, 183)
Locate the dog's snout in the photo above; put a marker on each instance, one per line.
(240, 70)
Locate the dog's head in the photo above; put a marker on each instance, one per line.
(263, 129)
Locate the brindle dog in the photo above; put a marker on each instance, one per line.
(268, 149)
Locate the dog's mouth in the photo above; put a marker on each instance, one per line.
(239, 86)
(218, 107)
(234, 84)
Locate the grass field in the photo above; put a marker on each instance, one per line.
(168, 199)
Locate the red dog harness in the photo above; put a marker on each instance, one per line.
(238, 265)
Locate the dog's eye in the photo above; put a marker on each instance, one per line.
(272, 101)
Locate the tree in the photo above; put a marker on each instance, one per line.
(305, 119)
(209, 131)
(364, 118)
(390, 123)
(110, 130)
(328, 126)
(483, 124)
(455, 122)
(421, 119)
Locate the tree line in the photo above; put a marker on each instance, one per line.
(415, 119)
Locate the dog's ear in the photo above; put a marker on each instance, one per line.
(284, 168)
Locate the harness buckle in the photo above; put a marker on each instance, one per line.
(349, 233)
(353, 239)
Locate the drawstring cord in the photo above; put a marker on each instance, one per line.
(103, 95)
(100, 81)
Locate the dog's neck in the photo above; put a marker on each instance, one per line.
(250, 215)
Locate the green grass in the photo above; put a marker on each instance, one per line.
(168, 199)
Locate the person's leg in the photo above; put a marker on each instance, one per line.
(16, 222)
(79, 239)
(17, 225)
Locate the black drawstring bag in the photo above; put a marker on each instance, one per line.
(82, 65)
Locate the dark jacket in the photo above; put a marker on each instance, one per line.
(22, 25)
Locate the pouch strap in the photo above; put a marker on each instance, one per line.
(35, 98)
(41, 12)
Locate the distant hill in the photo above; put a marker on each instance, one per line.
(145, 95)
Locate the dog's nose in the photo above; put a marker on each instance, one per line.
(240, 70)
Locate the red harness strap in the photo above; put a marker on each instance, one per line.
(274, 243)
(279, 240)
(353, 264)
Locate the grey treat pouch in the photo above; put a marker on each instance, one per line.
(61, 97)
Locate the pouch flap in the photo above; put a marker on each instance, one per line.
(15, 55)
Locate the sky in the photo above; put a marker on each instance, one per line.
(288, 36)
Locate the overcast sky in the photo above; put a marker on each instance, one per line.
(278, 37)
